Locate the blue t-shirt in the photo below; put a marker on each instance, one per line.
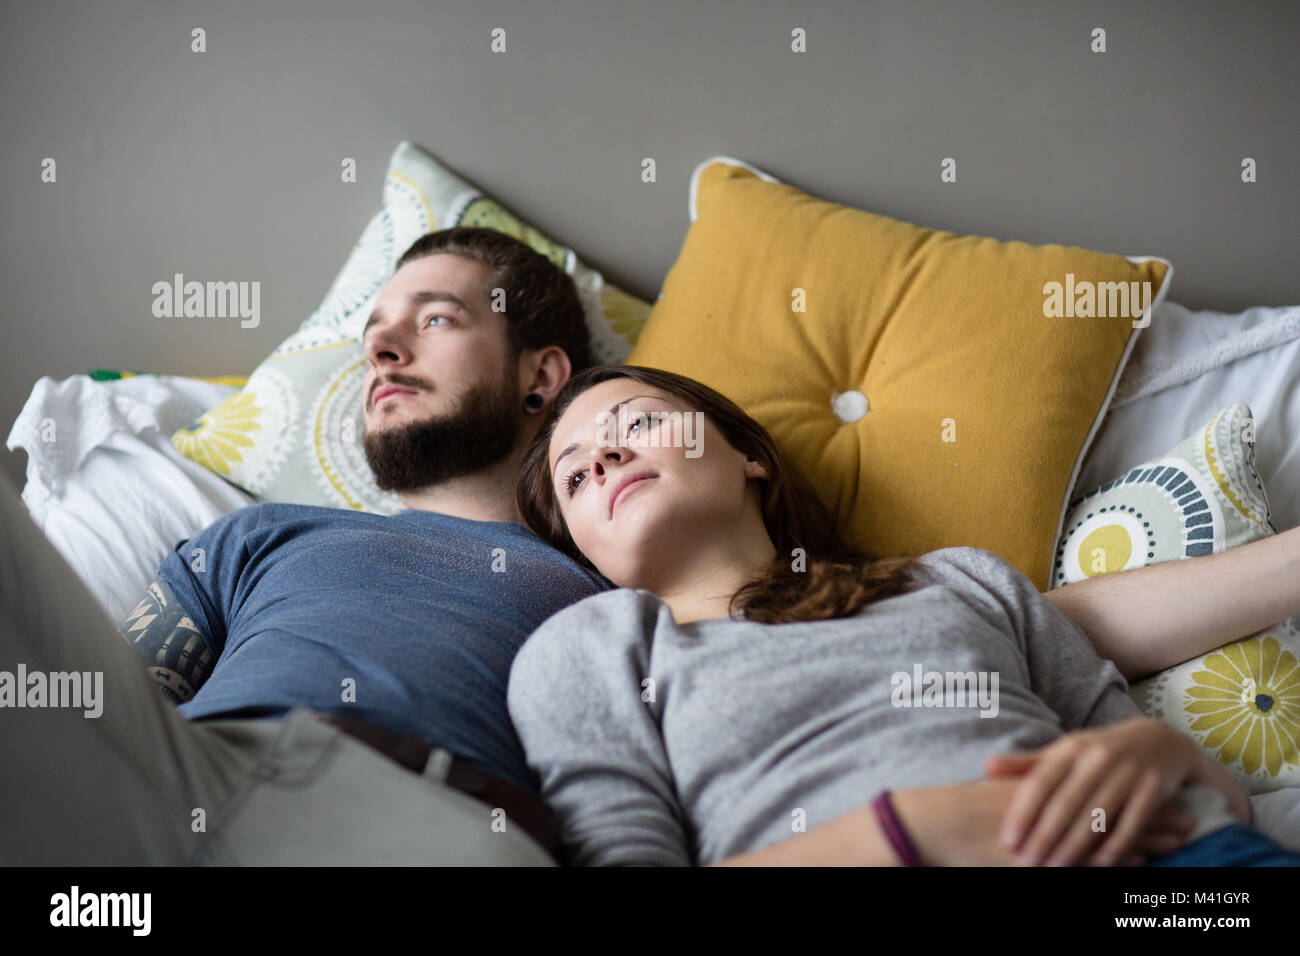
(295, 600)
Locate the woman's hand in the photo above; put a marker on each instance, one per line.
(1129, 770)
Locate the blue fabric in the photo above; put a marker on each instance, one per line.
(1237, 845)
(293, 600)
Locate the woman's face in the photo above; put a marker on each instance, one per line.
(641, 479)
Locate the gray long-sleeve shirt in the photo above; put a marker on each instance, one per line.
(658, 743)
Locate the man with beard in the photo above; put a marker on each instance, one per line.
(332, 682)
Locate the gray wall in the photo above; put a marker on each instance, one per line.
(225, 165)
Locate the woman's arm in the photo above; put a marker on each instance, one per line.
(1148, 619)
(949, 826)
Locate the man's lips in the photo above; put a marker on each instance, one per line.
(388, 390)
(624, 484)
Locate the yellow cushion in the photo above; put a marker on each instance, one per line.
(979, 406)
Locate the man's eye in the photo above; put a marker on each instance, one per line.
(436, 316)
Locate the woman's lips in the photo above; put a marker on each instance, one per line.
(625, 488)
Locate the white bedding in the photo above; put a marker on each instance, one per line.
(111, 492)
(1188, 365)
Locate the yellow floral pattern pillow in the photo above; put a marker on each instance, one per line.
(294, 433)
(1240, 702)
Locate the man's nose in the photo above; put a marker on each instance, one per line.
(386, 346)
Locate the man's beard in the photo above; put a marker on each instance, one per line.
(480, 431)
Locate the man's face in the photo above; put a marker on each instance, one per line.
(441, 392)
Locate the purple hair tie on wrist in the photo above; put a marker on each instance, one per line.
(894, 830)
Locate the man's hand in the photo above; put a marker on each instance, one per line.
(1131, 771)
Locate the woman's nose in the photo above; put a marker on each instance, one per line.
(600, 465)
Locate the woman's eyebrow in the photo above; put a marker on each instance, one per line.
(573, 446)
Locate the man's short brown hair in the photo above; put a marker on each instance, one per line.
(541, 301)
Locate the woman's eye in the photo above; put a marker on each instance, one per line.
(435, 316)
(571, 482)
(640, 421)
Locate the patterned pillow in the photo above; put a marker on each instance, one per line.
(294, 433)
(1242, 701)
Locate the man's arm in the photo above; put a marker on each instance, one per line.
(158, 627)
(1148, 619)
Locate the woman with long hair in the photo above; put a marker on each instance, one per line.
(757, 691)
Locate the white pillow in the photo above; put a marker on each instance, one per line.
(110, 490)
(1185, 367)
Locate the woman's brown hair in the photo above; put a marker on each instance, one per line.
(838, 580)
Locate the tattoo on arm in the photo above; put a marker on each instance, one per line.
(178, 656)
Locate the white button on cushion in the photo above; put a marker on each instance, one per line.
(849, 406)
